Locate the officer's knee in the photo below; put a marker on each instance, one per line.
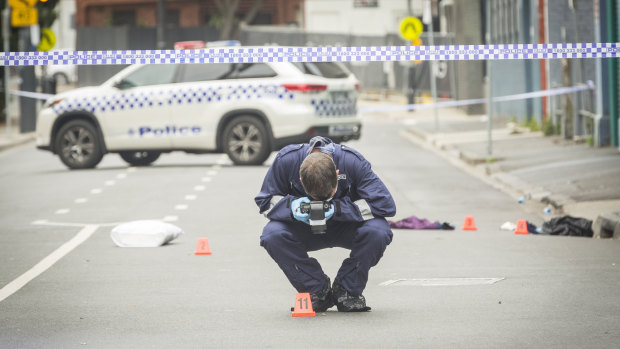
(273, 234)
(377, 231)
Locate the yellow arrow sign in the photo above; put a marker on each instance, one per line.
(410, 28)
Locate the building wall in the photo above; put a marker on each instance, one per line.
(340, 16)
(192, 13)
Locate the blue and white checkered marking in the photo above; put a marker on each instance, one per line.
(316, 54)
(132, 100)
(328, 107)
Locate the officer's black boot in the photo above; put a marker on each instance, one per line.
(347, 302)
(323, 300)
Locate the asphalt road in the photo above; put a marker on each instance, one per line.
(527, 291)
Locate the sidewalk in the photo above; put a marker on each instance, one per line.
(551, 176)
(16, 138)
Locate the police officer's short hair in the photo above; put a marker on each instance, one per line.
(318, 176)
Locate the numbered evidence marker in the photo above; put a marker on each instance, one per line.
(303, 305)
(202, 248)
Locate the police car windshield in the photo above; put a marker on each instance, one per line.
(330, 70)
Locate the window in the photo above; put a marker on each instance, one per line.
(331, 70)
(254, 70)
(124, 18)
(205, 72)
(154, 74)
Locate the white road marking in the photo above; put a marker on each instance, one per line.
(96, 191)
(47, 262)
(63, 211)
(222, 160)
(181, 207)
(110, 182)
(206, 179)
(199, 188)
(131, 169)
(121, 175)
(171, 219)
(216, 167)
(441, 282)
(81, 200)
(211, 173)
(190, 197)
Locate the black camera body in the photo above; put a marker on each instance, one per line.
(317, 210)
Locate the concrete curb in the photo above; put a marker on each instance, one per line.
(8, 143)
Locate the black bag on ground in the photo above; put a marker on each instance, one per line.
(568, 226)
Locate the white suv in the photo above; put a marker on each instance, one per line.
(246, 110)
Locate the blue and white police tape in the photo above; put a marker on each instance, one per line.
(519, 96)
(315, 54)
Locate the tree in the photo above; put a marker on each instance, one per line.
(228, 23)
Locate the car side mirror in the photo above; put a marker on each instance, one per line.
(123, 84)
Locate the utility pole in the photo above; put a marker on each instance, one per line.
(5, 42)
(428, 18)
(489, 87)
(161, 19)
(410, 70)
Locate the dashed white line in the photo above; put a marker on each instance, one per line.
(96, 191)
(63, 211)
(81, 200)
(181, 207)
(121, 175)
(171, 219)
(110, 182)
(199, 188)
(206, 179)
(190, 197)
(211, 173)
(131, 169)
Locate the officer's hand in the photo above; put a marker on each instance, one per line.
(296, 209)
(329, 212)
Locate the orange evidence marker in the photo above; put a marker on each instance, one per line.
(303, 305)
(521, 227)
(203, 247)
(469, 223)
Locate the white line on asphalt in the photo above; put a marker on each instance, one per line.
(190, 197)
(81, 200)
(211, 173)
(441, 282)
(206, 179)
(121, 175)
(110, 182)
(199, 188)
(171, 219)
(222, 160)
(96, 191)
(181, 207)
(47, 262)
(63, 211)
(131, 169)
(216, 167)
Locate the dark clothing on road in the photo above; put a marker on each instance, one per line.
(361, 204)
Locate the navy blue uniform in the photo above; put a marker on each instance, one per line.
(361, 204)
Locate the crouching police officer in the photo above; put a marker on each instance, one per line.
(358, 203)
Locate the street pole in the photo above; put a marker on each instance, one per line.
(489, 88)
(599, 77)
(5, 41)
(432, 43)
(161, 18)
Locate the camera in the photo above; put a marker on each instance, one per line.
(317, 210)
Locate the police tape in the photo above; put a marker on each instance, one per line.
(464, 102)
(35, 95)
(315, 54)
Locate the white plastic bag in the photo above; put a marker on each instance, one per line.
(145, 233)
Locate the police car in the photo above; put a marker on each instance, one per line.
(246, 110)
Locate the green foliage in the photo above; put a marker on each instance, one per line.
(549, 128)
(531, 124)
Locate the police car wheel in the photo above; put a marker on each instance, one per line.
(140, 158)
(78, 145)
(245, 141)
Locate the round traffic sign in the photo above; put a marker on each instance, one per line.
(410, 28)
